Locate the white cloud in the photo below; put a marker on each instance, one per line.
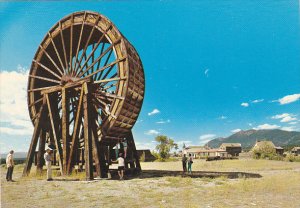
(289, 99)
(206, 138)
(155, 111)
(280, 116)
(266, 126)
(245, 104)
(236, 130)
(257, 101)
(13, 105)
(206, 72)
(289, 128)
(293, 123)
(163, 122)
(222, 117)
(152, 132)
(288, 119)
(285, 117)
(146, 145)
(181, 142)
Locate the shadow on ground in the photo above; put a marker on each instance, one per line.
(194, 174)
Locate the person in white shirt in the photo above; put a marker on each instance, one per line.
(10, 165)
(121, 166)
(48, 160)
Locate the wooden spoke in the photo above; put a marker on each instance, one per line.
(103, 68)
(79, 42)
(36, 102)
(109, 80)
(64, 48)
(55, 48)
(47, 69)
(86, 45)
(103, 54)
(105, 63)
(53, 62)
(71, 45)
(108, 71)
(93, 51)
(40, 89)
(43, 78)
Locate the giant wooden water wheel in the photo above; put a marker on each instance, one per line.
(85, 92)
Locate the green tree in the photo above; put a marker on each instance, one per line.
(164, 146)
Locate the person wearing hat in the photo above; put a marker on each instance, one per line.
(10, 165)
(48, 160)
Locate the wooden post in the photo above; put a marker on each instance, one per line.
(131, 143)
(34, 140)
(87, 134)
(75, 136)
(65, 128)
(41, 151)
(53, 115)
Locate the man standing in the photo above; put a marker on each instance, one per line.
(10, 165)
(48, 160)
(184, 159)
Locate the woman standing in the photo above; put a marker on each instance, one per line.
(190, 162)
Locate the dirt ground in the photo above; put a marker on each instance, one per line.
(278, 186)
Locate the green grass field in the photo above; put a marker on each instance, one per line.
(279, 186)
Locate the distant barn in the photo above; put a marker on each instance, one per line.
(296, 151)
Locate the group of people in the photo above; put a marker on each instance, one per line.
(10, 164)
(187, 162)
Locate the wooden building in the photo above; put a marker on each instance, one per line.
(296, 151)
(233, 149)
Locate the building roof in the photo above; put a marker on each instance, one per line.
(262, 144)
(230, 145)
(296, 148)
(201, 150)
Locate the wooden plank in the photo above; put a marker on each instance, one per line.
(34, 140)
(75, 136)
(87, 135)
(54, 126)
(65, 128)
(41, 151)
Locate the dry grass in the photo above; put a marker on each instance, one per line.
(279, 187)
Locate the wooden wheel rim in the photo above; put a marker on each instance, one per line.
(63, 41)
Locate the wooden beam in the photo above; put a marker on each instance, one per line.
(34, 140)
(131, 144)
(54, 126)
(87, 134)
(75, 136)
(65, 128)
(41, 151)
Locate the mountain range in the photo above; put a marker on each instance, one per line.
(249, 137)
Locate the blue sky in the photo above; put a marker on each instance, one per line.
(211, 67)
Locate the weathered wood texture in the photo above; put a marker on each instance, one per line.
(85, 90)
